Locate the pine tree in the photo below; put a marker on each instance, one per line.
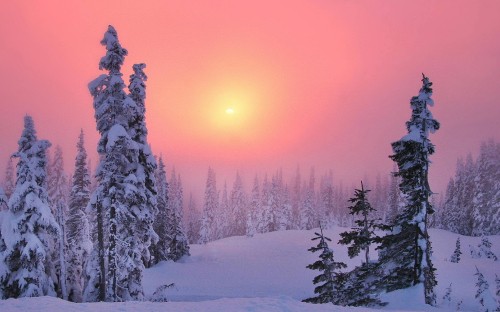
(447, 296)
(57, 189)
(77, 225)
(482, 293)
(362, 236)
(9, 182)
(178, 241)
(193, 221)
(160, 249)
(406, 251)
(253, 209)
(331, 289)
(361, 283)
(308, 216)
(224, 225)
(29, 223)
(455, 258)
(208, 228)
(125, 196)
(238, 206)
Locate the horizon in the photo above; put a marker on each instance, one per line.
(255, 87)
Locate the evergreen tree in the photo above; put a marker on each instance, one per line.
(361, 283)
(447, 296)
(178, 241)
(362, 236)
(125, 196)
(224, 224)
(253, 209)
(482, 292)
(208, 228)
(10, 181)
(193, 221)
(406, 251)
(455, 258)
(77, 225)
(57, 189)
(146, 164)
(238, 206)
(308, 216)
(160, 249)
(29, 223)
(331, 289)
(296, 199)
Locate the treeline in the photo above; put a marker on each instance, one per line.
(277, 203)
(471, 205)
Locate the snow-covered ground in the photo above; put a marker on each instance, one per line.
(267, 273)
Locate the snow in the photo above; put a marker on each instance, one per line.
(267, 272)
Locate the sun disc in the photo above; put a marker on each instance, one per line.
(229, 111)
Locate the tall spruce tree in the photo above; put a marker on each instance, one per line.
(77, 225)
(406, 250)
(208, 229)
(332, 288)
(124, 198)
(178, 241)
(57, 188)
(29, 224)
(159, 250)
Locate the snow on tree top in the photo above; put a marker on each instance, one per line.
(115, 133)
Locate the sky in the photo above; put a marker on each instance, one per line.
(252, 86)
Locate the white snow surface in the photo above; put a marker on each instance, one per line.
(267, 272)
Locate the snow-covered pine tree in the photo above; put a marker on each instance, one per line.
(361, 283)
(29, 223)
(326, 199)
(121, 201)
(208, 228)
(159, 250)
(296, 199)
(57, 184)
(308, 218)
(178, 241)
(77, 226)
(406, 250)
(146, 165)
(10, 181)
(363, 235)
(238, 203)
(253, 209)
(193, 221)
(455, 257)
(483, 294)
(447, 296)
(331, 289)
(224, 224)
(265, 216)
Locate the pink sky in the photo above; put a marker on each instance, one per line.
(315, 83)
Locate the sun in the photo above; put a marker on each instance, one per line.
(230, 111)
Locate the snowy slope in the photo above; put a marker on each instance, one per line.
(267, 273)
